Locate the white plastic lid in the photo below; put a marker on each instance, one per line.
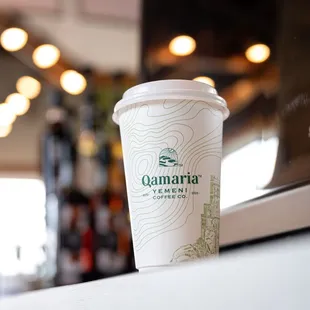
(171, 89)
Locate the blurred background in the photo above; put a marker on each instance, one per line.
(65, 63)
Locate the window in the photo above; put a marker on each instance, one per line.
(247, 170)
(22, 226)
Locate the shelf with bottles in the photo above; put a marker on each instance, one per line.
(95, 238)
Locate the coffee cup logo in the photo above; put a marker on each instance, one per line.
(168, 158)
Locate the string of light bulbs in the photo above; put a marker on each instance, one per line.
(185, 45)
(45, 56)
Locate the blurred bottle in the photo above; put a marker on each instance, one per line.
(59, 153)
(90, 177)
(75, 250)
(57, 164)
(88, 173)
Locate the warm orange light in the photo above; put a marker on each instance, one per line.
(46, 56)
(18, 103)
(257, 53)
(13, 39)
(28, 87)
(205, 79)
(7, 116)
(243, 89)
(73, 82)
(182, 46)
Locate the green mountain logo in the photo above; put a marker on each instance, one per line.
(168, 158)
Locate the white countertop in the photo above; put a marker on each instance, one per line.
(276, 276)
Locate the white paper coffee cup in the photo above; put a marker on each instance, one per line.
(171, 134)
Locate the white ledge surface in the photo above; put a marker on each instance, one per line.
(276, 276)
(263, 217)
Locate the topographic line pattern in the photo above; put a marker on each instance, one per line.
(149, 128)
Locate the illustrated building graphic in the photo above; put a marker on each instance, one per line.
(208, 243)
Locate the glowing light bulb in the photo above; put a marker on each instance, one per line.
(73, 82)
(182, 46)
(5, 130)
(28, 87)
(257, 53)
(18, 103)
(45, 56)
(7, 115)
(205, 79)
(13, 39)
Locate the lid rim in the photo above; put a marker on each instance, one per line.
(216, 100)
(171, 89)
(173, 85)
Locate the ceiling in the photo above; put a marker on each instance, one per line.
(100, 33)
(223, 30)
(222, 27)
